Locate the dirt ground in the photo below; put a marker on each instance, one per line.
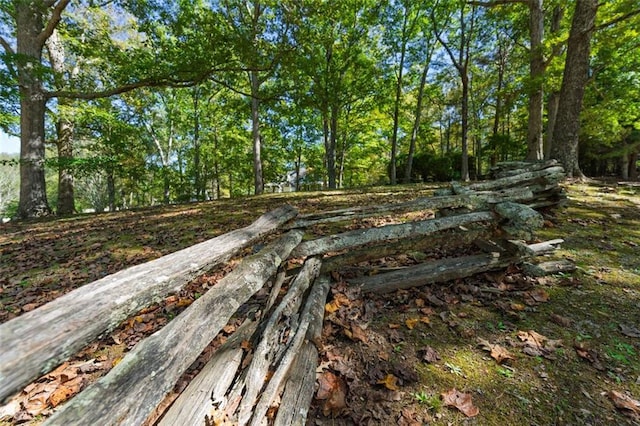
(501, 348)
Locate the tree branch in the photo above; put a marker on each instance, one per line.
(7, 46)
(618, 19)
(54, 21)
(495, 2)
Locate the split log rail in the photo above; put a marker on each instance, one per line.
(240, 385)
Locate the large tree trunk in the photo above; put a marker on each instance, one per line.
(574, 80)
(536, 72)
(255, 132)
(33, 193)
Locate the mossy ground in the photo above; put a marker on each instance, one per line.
(601, 228)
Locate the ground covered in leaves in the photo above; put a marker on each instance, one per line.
(502, 348)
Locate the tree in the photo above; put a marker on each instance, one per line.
(576, 74)
(460, 55)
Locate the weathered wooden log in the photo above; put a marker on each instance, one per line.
(480, 200)
(266, 353)
(549, 175)
(299, 390)
(449, 239)
(513, 168)
(313, 309)
(199, 398)
(134, 387)
(521, 220)
(37, 341)
(433, 272)
(549, 268)
(359, 237)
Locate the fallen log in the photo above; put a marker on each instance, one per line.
(37, 341)
(130, 392)
(549, 268)
(313, 309)
(270, 347)
(433, 272)
(359, 237)
(521, 220)
(449, 239)
(511, 168)
(207, 389)
(480, 200)
(551, 175)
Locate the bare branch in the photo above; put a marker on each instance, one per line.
(495, 2)
(618, 19)
(6, 45)
(54, 21)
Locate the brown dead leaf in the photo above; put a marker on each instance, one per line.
(518, 307)
(428, 355)
(560, 320)
(425, 320)
(628, 405)
(500, 354)
(66, 391)
(411, 323)
(461, 401)
(394, 326)
(331, 307)
(356, 333)
(333, 391)
(588, 354)
(535, 344)
(390, 382)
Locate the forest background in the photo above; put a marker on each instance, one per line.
(121, 104)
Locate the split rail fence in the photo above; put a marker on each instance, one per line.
(241, 386)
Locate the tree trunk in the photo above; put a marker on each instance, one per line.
(536, 74)
(567, 129)
(552, 114)
(255, 132)
(396, 105)
(33, 193)
(64, 129)
(199, 187)
(331, 149)
(417, 119)
(464, 171)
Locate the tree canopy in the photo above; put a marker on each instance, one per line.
(135, 102)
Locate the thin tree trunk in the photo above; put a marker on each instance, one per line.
(396, 105)
(536, 73)
(255, 132)
(64, 129)
(331, 149)
(196, 146)
(417, 119)
(567, 129)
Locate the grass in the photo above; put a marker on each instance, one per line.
(600, 225)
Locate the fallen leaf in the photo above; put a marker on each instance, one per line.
(588, 354)
(411, 323)
(390, 382)
(560, 320)
(630, 406)
(333, 390)
(428, 355)
(500, 354)
(518, 307)
(425, 320)
(535, 344)
(356, 333)
(461, 401)
(331, 307)
(629, 331)
(394, 326)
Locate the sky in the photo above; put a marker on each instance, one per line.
(9, 144)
